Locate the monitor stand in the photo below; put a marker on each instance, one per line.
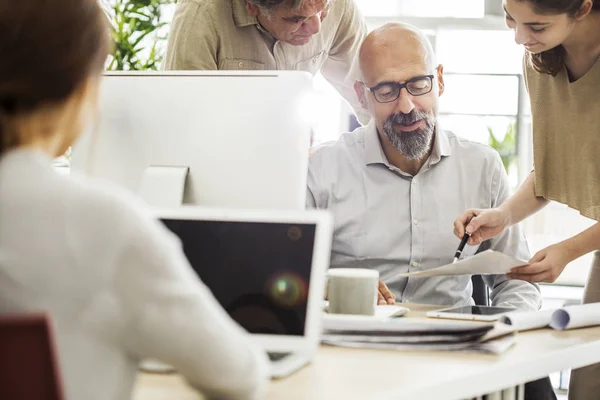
(162, 186)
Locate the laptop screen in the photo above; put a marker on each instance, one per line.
(258, 271)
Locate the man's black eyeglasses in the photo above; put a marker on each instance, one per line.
(386, 92)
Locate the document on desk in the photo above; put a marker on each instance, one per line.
(497, 346)
(570, 317)
(420, 339)
(401, 326)
(485, 263)
(527, 320)
(418, 334)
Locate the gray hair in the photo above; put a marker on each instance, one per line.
(271, 5)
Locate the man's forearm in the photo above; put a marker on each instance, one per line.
(515, 293)
(524, 202)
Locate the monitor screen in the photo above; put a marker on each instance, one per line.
(258, 271)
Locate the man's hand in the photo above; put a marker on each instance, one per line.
(385, 296)
(481, 224)
(545, 266)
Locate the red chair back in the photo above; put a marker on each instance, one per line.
(28, 363)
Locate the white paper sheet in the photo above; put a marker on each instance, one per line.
(524, 321)
(484, 263)
(368, 325)
(381, 311)
(571, 317)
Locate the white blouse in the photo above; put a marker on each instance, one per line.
(117, 287)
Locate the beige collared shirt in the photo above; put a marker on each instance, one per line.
(388, 220)
(222, 35)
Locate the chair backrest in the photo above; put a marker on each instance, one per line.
(28, 363)
(481, 295)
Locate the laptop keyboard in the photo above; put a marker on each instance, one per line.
(277, 356)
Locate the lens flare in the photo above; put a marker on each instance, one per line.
(287, 289)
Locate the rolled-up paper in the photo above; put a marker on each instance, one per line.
(524, 321)
(572, 317)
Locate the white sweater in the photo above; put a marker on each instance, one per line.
(116, 285)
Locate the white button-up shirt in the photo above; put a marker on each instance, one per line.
(388, 220)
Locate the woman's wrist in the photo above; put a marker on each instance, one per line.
(583, 243)
(572, 249)
(505, 215)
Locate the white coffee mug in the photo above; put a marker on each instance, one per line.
(352, 291)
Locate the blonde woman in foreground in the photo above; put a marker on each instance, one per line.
(115, 283)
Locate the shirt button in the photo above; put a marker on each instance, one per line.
(314, 60)
(241, 64)
(416, 221)
(415, 264)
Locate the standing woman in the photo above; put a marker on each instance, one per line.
(562, 72)
(114, 281)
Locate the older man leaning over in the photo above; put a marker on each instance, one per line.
(303, 35)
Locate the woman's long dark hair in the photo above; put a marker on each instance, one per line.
(48, 48)
(552, 61)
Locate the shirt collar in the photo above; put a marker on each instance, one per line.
(441, 145)
(241, 16)
(374, 151)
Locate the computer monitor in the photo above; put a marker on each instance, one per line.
(242, 137)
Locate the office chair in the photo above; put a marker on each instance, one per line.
(28, 364)
(481, 295)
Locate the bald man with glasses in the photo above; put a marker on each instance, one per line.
(396, 185)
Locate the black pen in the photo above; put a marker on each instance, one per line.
(461, 246)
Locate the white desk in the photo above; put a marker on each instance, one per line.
(338, 373)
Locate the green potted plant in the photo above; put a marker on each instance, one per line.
(136, 33)
(506, 148)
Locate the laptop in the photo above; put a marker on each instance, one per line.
(266, 268)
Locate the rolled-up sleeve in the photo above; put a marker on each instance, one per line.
(193, 40)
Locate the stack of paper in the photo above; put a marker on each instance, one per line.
(417, 334)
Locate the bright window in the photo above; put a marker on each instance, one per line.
(480, 94)
(479, 51)
(423, 8)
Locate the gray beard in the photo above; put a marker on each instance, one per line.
(413, 145)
